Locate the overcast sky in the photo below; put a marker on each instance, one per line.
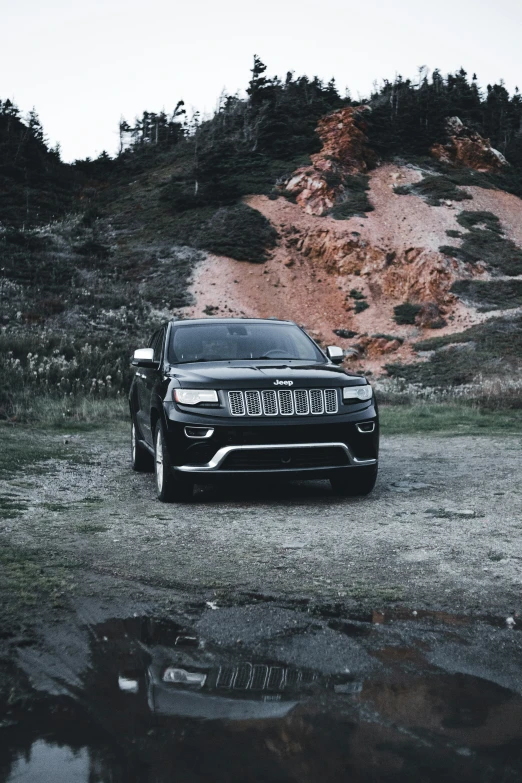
(85, 63)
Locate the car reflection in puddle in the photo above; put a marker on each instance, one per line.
(160, 704)
(190, 678)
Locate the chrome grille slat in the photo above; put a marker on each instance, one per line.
(316, 401)
(253, 403)
(330, 400)
(269, 402)
(301, 402)
(237, 405)
(283, 402)
(286, 402)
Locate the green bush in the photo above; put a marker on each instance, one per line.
(470, 220)
(434, 188)
(490, 294)
(402, 190)
(353, 200)
(361, 305)
(238, 231)
(488, 246)
(406, 313)
(389, 337)
(492, 349)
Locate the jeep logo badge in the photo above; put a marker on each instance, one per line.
(283, 383)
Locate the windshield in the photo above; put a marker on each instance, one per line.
(231, 341)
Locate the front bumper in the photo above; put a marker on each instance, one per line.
(307, 447)
(281, 451)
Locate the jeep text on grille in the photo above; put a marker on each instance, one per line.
(215, 397)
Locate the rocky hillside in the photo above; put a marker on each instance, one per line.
(425, 259)
(287, 204)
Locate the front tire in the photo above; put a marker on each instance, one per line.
(170, 487)
(141, 459)
(354, 482)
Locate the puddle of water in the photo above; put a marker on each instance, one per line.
(158, 703)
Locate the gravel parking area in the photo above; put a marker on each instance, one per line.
(442, 528)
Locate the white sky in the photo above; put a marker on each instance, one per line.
(84, 63)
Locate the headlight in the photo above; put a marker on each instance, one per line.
(183, 677)
(195, 396)
(357, 392)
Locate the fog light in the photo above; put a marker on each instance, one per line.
(199, 432)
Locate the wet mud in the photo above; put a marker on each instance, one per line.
(266, 693)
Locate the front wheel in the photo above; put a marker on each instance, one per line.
(354, 482)
(170, 487)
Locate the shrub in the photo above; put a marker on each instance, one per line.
(389, 337)
(492, 349)
(434, 188)
(239, 232)
(360, 305)
(406, 313)
(356, 294)
(470, 220)
(353, 199)
(490, 294)
(488, 246)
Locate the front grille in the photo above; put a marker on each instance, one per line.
(260, 677)
(286, 459)
(283, 402)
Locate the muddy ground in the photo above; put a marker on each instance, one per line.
(386, 628)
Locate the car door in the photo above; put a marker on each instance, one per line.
(149, 377)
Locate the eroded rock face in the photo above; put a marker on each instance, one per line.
(467, 148)
(416, 274)
(345, 151)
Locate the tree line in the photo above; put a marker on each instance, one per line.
(250, 142)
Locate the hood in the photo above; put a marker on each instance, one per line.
(259, 375)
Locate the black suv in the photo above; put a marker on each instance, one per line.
(221, 397)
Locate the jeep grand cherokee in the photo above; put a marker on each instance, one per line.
(221, 397)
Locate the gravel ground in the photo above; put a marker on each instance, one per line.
(442, 529)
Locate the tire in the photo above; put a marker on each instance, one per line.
(354, 482)
(170, 488)
(142, 461)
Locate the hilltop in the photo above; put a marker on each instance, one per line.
(390, 226)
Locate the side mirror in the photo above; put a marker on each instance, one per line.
(144, 357)
(335, 354)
